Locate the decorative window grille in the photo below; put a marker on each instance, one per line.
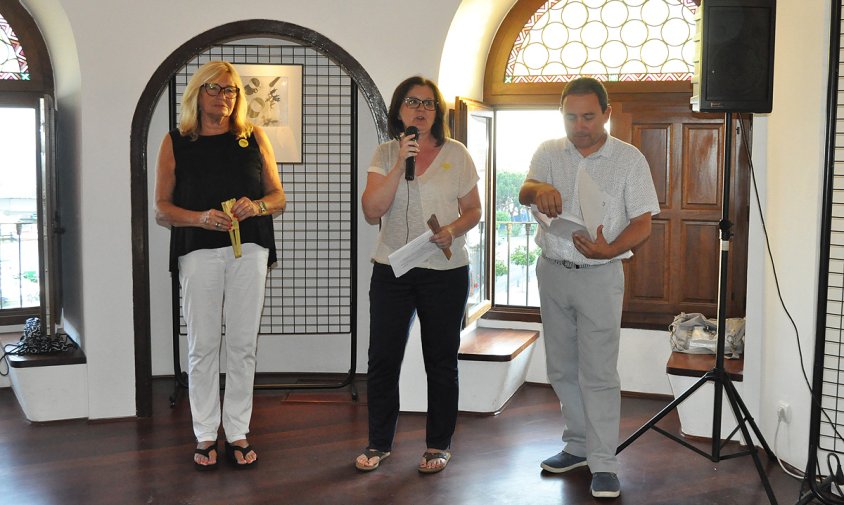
(610, 40)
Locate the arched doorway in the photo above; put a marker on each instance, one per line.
(155, 87)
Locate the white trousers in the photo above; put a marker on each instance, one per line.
(581, 322)
(218, 288)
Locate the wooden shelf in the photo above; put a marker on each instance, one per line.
(74, 357)
(695, 365)
(495, 344)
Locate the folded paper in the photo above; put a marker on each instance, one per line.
(234, 232)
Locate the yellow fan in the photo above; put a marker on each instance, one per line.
(234, 233)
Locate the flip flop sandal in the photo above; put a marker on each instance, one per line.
(207, 453)
(230, 450)
(430, 456)
(372, 453)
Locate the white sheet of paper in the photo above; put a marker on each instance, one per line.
(562, 226)
(593, 202)
(412, 254)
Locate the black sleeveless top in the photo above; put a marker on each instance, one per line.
(209, 171)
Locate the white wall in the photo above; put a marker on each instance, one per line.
(794, 170)
(102, 67)
(115, 62)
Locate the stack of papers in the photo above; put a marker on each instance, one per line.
(564, 226)
(413, 253)
(593, 205)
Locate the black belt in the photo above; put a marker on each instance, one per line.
(570, 264)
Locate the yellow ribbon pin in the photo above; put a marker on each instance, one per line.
(243, 142)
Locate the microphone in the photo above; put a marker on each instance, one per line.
(410, 162)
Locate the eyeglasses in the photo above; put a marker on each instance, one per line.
(213, 89)
(414, 103)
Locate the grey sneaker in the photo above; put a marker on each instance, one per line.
(562, 462)
(605, 485)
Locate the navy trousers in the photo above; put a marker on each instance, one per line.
(439, 297)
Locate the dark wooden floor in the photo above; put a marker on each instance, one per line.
(307, 443)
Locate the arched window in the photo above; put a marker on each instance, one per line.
(24, 61)
(13, 65)
(612, 40)
(28, 218)
(643, 50)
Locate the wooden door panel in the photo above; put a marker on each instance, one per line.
(647, 276)
(701, 171)
(697, 282)
(655, 142)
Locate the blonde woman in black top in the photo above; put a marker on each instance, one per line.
(216, 155)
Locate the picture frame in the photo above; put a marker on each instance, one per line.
(274, 102)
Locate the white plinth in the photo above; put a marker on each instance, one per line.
(696, 412)
(51, 392)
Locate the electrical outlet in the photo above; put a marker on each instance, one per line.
(784, 412)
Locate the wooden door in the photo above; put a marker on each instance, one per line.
(677, 269)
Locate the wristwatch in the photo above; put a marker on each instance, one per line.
(262, 207)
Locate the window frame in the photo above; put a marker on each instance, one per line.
(460, 119)
(498, 95)
(38, 93)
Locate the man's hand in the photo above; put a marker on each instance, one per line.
(545, 196)
(597, 250)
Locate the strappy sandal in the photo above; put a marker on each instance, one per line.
(372, 453)
(231, 449)
(430, 456)
(207, 453)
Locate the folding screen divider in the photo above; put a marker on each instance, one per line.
(311, 290)
(827, 417)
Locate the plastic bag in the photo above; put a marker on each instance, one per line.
(695, 334)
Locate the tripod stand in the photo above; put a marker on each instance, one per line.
(718, 375)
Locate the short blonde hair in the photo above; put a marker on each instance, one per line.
(189, 120)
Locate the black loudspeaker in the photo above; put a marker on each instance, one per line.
(734, 57)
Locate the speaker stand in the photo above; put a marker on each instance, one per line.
(718, 375)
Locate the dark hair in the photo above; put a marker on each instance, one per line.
(586, 86)
(395, 126)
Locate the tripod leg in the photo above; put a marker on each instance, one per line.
(735, 405)
(662, 413)
(749, 418)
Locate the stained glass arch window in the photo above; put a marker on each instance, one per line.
(24, 61)
(13, 64)
(611, 40)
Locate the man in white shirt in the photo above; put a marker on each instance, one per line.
(581, 279)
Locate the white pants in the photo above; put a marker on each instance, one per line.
(215, 285)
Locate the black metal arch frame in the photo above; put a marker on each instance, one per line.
(156, 86)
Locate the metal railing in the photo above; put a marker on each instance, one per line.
(19, 265)
(515, 259)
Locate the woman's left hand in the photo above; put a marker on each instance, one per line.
(444, 238)
(244, 208)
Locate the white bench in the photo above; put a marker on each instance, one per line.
(51, 387)
(492, 363)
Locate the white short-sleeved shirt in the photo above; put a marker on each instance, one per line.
(619, 169)
(450, 176)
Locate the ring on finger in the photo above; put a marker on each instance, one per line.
(216, 225)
